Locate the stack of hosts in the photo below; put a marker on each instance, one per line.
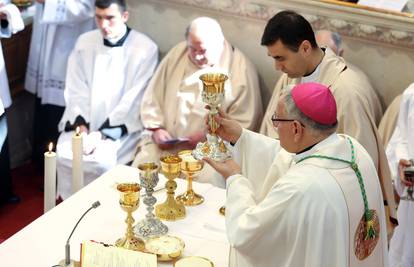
(290, 40)
(313, 199)
(108, 70)
(172, 109)
(400, 150)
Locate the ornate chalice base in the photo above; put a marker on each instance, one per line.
(152, 227)
(170, 210)
(133, 243)
(190, 198)
(214, 148)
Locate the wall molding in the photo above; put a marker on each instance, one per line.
(353, 22)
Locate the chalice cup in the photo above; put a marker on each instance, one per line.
(213, 94)
(129, 202)
(190, 167)
(151, 226)
(170, 210)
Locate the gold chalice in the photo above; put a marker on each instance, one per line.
(170, 210)
(213, 95)
(129, 202)
(190, 167)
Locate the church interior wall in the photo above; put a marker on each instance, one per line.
(383, 47)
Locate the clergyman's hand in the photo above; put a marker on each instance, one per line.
(226, 168)
(160, 137)
(401, 166)
(229, 130)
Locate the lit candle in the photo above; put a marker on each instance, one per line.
(77, 153)
(49, 200)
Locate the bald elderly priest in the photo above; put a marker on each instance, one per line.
(313, 199)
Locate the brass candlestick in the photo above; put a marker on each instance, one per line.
(170, 210)
(129, 202)
(190, 167)
(150, 226)
(213, 95)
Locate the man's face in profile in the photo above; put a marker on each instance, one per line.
(111, 21)
(290, 62)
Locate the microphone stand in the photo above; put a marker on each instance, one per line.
(67, 262)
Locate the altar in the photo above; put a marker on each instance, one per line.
(42, 243)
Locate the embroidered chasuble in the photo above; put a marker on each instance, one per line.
(311, 211)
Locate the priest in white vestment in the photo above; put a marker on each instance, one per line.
(173, 110)
(400, 151)
(291, 42)
(57, 24)
(333, 40)
(10, 22)
(313, 199)
(108, 72)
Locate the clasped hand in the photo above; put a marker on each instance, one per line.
(228, 130)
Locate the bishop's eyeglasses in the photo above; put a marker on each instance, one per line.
(276, 120)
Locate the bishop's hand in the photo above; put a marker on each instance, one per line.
(229, 130)
(226, 168)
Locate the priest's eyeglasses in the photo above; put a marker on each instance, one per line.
(276, 120)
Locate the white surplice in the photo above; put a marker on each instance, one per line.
(56, 26)
(308, 213)
(105, 82)
(15, 18)
(401, 146)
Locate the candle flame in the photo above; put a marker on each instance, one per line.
(50, 147)
(77, 131)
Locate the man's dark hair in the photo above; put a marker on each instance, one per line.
(290, 28)
(102, 4)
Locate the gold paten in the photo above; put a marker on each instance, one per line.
(129, 202)
(166, 247)
(170, 210)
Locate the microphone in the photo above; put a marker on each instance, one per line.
(67, 262)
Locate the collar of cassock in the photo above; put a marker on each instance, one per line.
(118, 43)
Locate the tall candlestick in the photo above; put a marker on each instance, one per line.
(49, 199)
(77, 154)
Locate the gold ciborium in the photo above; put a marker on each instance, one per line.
(129, 202)
(190, 167)
(170, 210)
(213, 95)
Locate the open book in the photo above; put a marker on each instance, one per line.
(95, 254)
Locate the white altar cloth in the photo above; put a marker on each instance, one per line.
(41, 243)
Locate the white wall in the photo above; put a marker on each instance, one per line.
(389, 66)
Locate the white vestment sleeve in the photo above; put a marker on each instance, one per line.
(67, 11)
(255, 154)
(128, 110)
(77, 92)
(246, 220)
(398, 145)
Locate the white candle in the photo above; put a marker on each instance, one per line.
(49, 199)
(77, 153)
